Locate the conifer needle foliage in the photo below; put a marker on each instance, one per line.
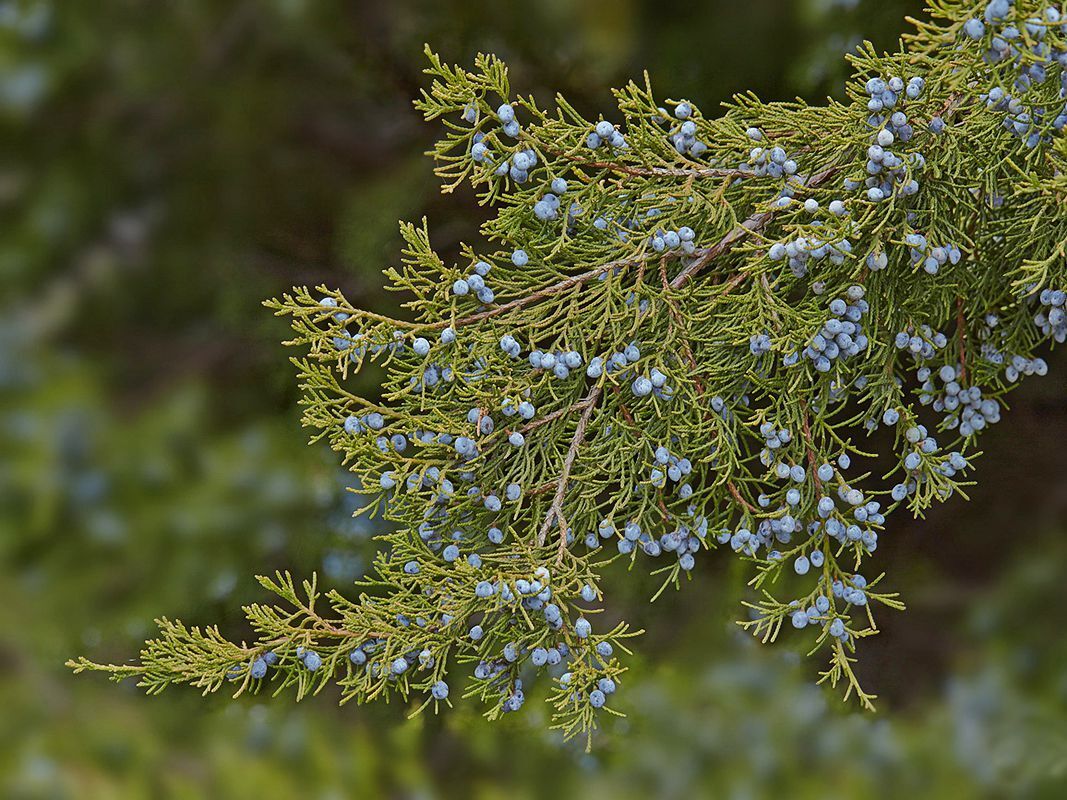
(759, 333)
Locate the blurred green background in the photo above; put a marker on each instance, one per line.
(166, 167)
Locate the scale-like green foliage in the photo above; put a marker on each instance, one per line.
(782, 323)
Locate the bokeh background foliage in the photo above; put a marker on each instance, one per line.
(168, 166)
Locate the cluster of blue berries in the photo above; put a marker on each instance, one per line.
(877, 261)
(954, 463)
(515, 699)
(671, 467)
(841, 336)
(771, 162)
(1015, 365)
(683, 239)
(519, 164)
(356, 424)
(259, 667)
(885, 94)
(535, 595)
(606, 133)
(309, 658)
(965, 408)
(1034, 59)
(801, 250)
(632, 535)
(921, 447)
(759, 343)
(864, 512)
(774, 439)
(885, 169)
(1024, 121)
(348, 343)
(924, 448)
(475, 282)
(851, 592)
(1018, 366)
(604, 686)
(480, 151)
(619, 360)
(926, 445)
(655, 383)
(685, 540)
(922, 342)
(508, 122)
(519, 168)
(559, 363)
(931, 257)
(683, 136)
(547, 208)
(748, 543)
(801, 618)
(1051, 320)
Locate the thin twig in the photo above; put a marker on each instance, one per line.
(654, 172)
(555, 511)
(753, 224)
(559, 412)
(732, 489)
(805, 427)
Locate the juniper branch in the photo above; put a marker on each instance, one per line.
(672, 336)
